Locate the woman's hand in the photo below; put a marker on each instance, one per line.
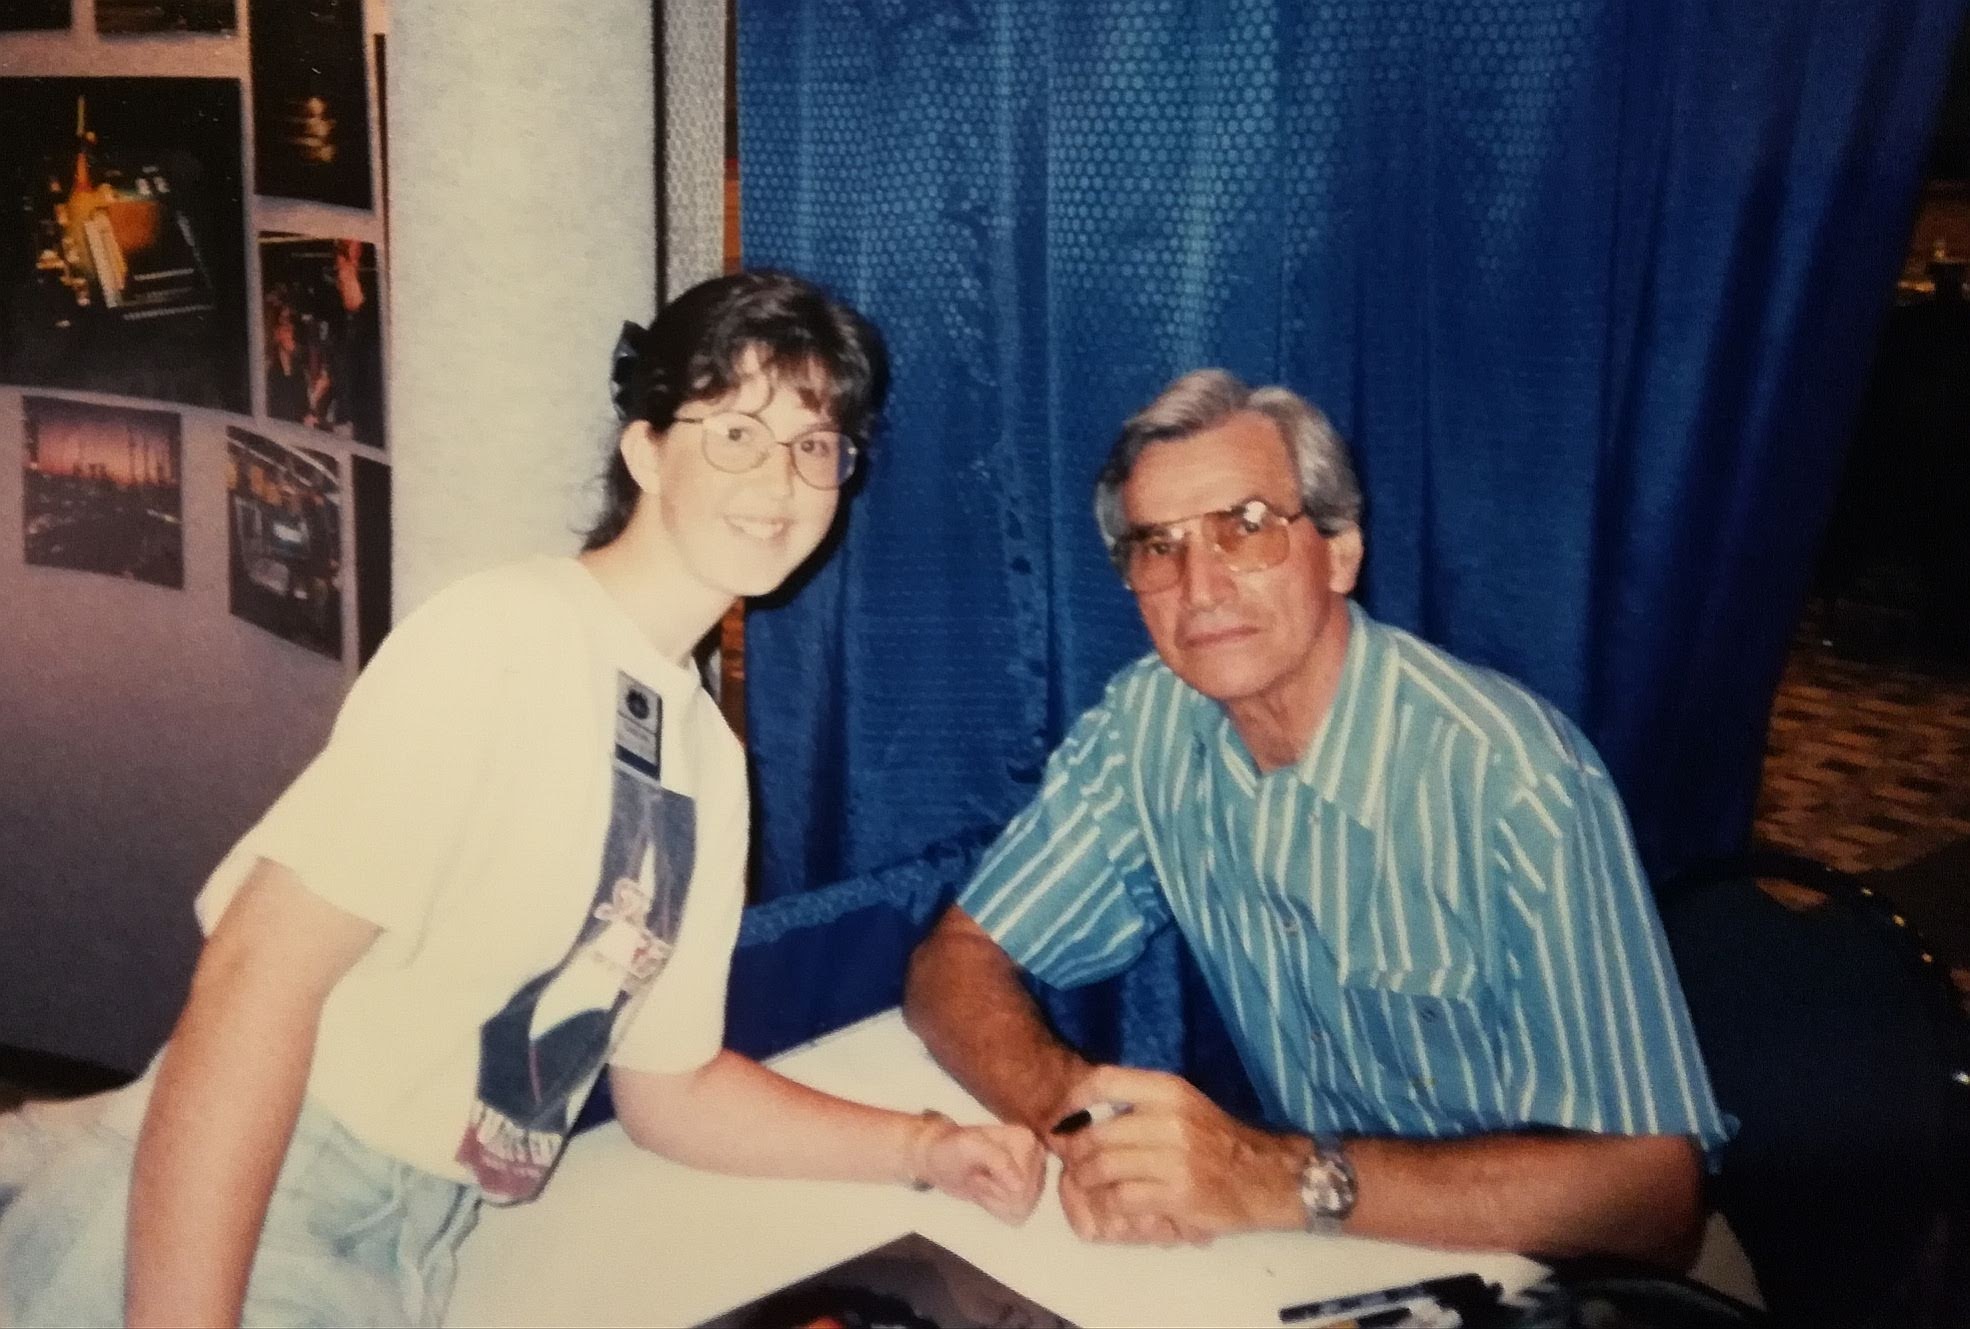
(1001, 1169)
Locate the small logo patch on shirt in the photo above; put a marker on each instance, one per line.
(639, 726)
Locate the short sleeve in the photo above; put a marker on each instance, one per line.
(369, 824)
(1598, 1037)
(1067, 889)
(680, 1024)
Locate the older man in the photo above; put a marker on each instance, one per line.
(1409, 882)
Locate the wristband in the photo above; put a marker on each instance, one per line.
(920, 1182)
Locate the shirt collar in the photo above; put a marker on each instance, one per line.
(678, 683)
(1345, 762)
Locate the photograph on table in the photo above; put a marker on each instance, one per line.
(284, 542)
(323, 357)
(310, 101)
(910, 1283)
(34, 15)
(129, 18)
(102, 491)
(122, 238)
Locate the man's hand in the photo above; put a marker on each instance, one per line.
(1173, 1168)
(1096, 1217)
(998, 1168)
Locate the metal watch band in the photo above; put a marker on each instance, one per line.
(1327, 1185)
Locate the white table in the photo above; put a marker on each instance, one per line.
(622, 1237)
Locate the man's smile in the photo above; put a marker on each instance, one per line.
(1216, 634)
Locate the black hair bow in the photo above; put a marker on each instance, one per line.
(626, 382)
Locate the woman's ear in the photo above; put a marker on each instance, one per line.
(638, 446)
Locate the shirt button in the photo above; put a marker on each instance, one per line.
(1290, 923)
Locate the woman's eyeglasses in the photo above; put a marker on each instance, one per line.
(736, 442)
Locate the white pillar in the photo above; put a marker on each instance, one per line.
(694, 142)
(522, 235)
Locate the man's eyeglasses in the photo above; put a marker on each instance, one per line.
(1250, 537)
(737, 441)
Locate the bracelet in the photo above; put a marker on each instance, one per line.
(919, 1183)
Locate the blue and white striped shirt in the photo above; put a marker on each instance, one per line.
(1433, 925)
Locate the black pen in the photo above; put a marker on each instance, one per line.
(1404, 1313)
(1089, 1115)
(1375, 1319)
(1455, 1291)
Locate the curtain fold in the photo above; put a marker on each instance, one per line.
(1589, 285)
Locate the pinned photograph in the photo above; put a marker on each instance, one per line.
(121, 238)
(310, 101)
(102, 491)
(285, 540)
(34, 15)
(369, 492)
(383, 126)
(125, 18)
(323, 357)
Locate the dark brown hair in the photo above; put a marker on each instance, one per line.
(803, 338)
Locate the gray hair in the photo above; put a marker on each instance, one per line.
(1206, 398)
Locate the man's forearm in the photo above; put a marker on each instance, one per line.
(1545, 1194)
(964, 999)
(1179, 1156)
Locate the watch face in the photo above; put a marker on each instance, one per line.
(1327, 1188)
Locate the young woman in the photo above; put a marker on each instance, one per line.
(519, 858)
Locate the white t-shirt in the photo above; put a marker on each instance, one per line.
(547, 820)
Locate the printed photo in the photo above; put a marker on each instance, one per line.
(310, 101)
(102, 490)
(34, 15)
(285, 543)
(122, 238)
(383, 127)
(910, 1283)
(369, 492)
(134, 17)
(323, 357)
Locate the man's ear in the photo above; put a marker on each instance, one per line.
(638, 446)
(1343, 560)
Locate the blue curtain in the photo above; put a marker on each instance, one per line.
(1590, 286)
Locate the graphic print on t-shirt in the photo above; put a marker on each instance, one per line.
(543, 1050)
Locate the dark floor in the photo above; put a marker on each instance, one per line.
(1867, 765)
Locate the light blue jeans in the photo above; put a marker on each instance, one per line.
(352, 1237)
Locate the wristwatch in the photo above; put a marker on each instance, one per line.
(1327, 1188)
